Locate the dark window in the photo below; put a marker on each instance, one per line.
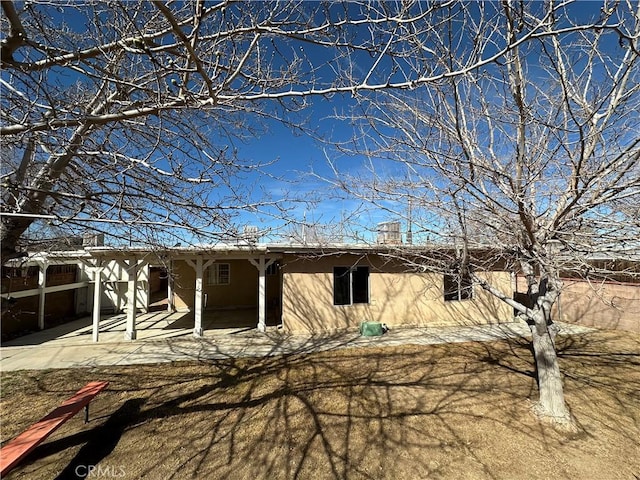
(341, 286)
(350, 285)
(458, 287)
(360, 284)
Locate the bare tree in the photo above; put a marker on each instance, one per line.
(535, 157)
(127, 115)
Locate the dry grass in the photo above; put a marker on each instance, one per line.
(449, 411)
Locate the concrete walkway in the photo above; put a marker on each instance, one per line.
(70, 345)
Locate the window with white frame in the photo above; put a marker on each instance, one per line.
(219, 274)
(350, 285)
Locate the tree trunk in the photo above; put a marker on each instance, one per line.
(542, 295)
(551, 404)
(11, 229)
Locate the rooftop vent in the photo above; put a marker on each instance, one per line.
(389, 233)
(250, 233)
(93, 240)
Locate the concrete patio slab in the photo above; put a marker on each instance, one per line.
(162, 338)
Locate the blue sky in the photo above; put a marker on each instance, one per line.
(299, 154)
(295, 155)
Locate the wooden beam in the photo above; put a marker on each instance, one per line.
(36, 291)
(132, 294)
(42, 283)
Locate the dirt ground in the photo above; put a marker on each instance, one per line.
(433, 412)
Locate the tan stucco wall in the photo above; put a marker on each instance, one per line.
(184, 285)
(597, 304)
(606, 305)
(397, 298)
(241, 292)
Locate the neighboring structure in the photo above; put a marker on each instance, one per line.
(48, 289)
(41, 296)
(301, 288)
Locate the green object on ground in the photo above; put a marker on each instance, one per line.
(371, 329)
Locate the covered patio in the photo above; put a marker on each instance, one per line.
(158, 325)
(200, 295)
(201, 289)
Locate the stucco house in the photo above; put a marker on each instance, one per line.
(299, 288)
(307, 288)
(296, 287)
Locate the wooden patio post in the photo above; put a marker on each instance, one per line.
(170, 304)
(132, 293)
(97, 298)
(42, 283)
(199, 267)
(261, 264)
(197, 327)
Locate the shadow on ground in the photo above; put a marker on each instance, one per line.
(444, 411)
